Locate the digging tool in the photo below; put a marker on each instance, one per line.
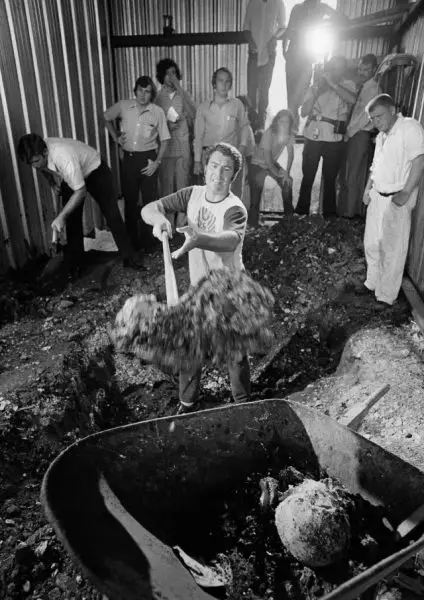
(170, 280)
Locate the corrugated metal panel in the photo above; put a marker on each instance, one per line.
(413, 43)
(197, 63)
(53, 82)
(352, 49)
(145, 17)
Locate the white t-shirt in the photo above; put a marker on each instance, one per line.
(72, 160)
(394, 153)
(210, 217)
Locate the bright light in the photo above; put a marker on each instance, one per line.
(319, 42)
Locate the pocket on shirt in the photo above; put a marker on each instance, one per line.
(147, 130)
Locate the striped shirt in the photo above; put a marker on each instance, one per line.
(143, 126)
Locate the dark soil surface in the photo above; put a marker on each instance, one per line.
(60, 380)
(246, 538)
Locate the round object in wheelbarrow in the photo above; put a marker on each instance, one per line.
(313, 525)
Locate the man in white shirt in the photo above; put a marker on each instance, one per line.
(359, 147)
(222, 119)
(327, 105)
(214, 239)
(73, 169)
(391, 195)
(266, 22)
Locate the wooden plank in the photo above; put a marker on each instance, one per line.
(180, 39)
(355, 415)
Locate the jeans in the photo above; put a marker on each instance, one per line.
(133, 181)
(99, 184)
(257, 177)
(239, 373)
(258, 83)
(332, 155)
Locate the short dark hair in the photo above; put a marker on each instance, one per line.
(224, 70)
(369, 59)
(282, 113)
(30, 145)
(380, 100)
(162, 67)
(143, 82)
(226, 150)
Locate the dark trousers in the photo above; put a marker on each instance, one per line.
(332, 156)
(258, 83)
(354, 174)
(239, 373)
(257, 177)
(99, 185)
(298, 79)
(132, 182)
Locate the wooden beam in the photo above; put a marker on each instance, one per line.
(415, 11)
(361, 32)
(180, 39)
(379, 17)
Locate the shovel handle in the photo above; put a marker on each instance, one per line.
(55, 236)
(170, 281)
(353, 588)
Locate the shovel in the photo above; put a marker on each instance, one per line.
(170, 280)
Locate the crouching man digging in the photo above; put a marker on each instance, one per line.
(391, 195)
(213, 239)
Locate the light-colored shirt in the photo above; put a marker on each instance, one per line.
(215, 123)
(394, 153)
(142, 126)
(360, 120)
(271, 142)
(263, 19)
(210, 217)
(72, 160)
(179, 144)
(329, 105)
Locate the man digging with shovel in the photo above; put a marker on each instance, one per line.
(213, 239)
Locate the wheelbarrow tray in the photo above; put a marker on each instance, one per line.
(116, 498)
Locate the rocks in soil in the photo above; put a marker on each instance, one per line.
(313, 524)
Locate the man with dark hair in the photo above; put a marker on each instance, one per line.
(180, 110)
(391, 195)
(143, 137)
(266, 22)
(221, 119)
(327, 105)
(304, 17)
(359, 147)
(214, 239)
(73, 169)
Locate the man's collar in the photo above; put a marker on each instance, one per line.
(137, 104)
(213, 101)
(399, 120)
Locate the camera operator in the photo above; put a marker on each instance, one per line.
(327, 106)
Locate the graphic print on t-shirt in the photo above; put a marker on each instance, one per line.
(206, 220)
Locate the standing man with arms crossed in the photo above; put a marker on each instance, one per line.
(221, 119)
(214, 239)
(359, 147)
(266, 22)
(391, 195)
(143, 137)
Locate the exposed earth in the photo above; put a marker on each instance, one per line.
(60, 380)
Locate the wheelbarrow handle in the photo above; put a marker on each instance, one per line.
(170, 280)
(353, 588)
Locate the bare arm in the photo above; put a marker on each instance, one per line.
(74, 201)
(190, 106)
(347, 95)
(290, 157)
(114, 134)
(271, 165)
(417, 169)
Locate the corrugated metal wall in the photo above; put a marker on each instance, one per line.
(359, 8)
(197, 63)
(413, 43)
(54, 80)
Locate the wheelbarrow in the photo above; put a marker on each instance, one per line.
(117, 498)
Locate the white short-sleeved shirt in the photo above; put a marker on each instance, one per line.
(143, 126)
(210, 217)
(72, 160)
(394, 153)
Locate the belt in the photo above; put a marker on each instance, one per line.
(387, 194)
(132, 152)
(325, 119)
